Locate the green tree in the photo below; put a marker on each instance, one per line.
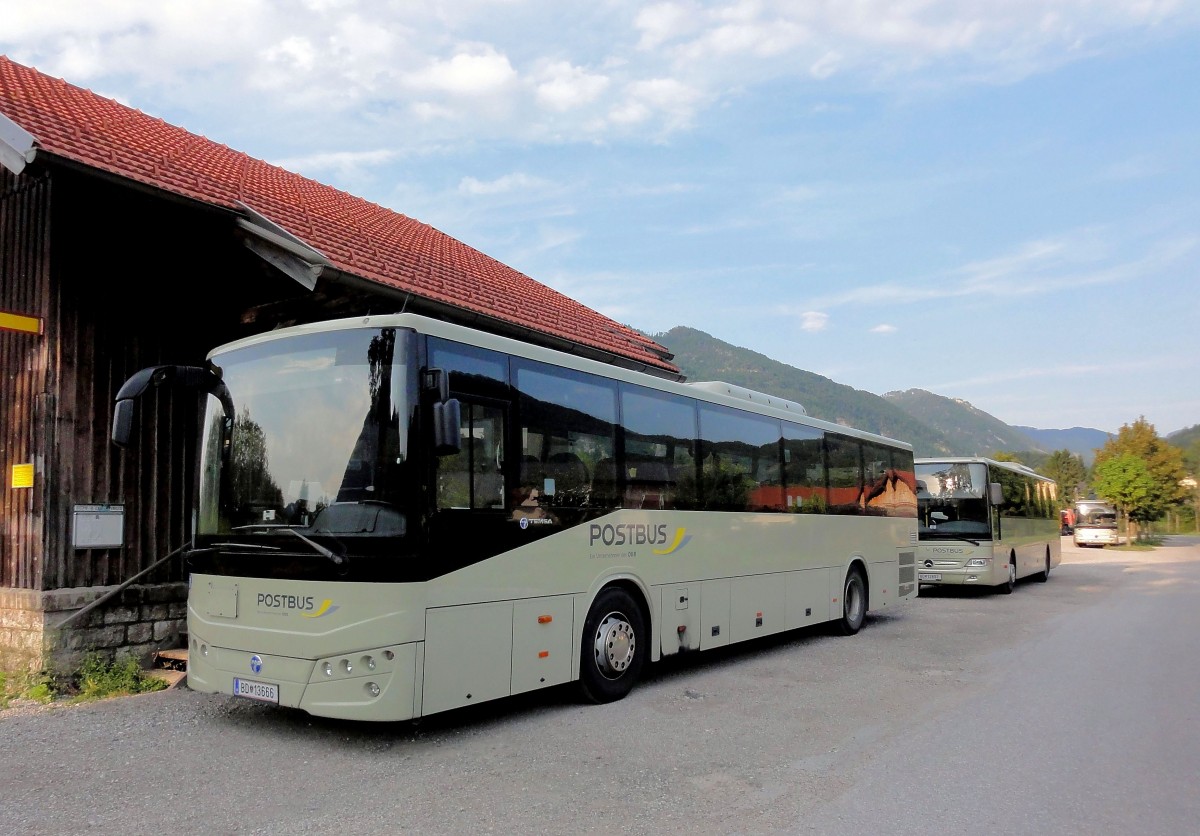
(1163, 462)
(1127, 483)
(1068, 470)
(1191, 458)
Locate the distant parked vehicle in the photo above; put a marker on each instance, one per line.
(1066, 518)
(1095, 523)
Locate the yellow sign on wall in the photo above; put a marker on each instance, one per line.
(20, 322)
(22, 476)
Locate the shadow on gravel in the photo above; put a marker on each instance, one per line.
(965, 591)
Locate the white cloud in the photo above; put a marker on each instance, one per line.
(501, 185)
(562, 87)
(478, 72)
(1051, 265)
(662, 22)
(668, 98)
(624, 71)
(813, 321)
(294, 54)
(884, 328)
(825, 66)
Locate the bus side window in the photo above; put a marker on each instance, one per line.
(845, 474)
(804, 469)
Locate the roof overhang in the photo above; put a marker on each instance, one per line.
(280, 248)
(17, 145)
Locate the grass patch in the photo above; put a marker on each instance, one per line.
(1142, 544)
(98, 679)
(26, 685)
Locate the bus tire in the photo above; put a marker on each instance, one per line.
(1044, 575)
(1009, 585)
(614, 646)
(854, 603)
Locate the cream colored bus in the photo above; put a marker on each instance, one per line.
(1095, 524)
(985, 523)
(400, 516)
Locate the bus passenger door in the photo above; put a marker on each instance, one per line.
(469, 511)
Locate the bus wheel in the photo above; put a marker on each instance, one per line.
(614, 646)
(1008, 586)
(1044, 575)
(854, 603)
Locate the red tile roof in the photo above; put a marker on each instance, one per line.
(357, 236)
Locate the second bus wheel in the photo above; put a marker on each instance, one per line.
(614, 646)
(1009, 585)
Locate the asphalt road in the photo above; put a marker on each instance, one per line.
(1068, 707)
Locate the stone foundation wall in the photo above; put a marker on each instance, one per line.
(138, 621)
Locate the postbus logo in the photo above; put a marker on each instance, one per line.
(681, 540)
(638, 534)
(305, 606)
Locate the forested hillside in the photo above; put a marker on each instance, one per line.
(934, 424)
(969, 430)
(1082, 441)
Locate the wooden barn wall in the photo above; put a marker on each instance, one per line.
(124, 279)
(138, 281)
(24, 289)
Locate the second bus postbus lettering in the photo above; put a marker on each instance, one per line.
(634, 534)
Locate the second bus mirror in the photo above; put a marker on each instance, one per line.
(995, 493)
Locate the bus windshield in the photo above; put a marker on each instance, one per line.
(318, 444)
(1099, 514)
(952, 501)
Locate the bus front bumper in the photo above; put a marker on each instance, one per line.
(960, 576)
(375, 684)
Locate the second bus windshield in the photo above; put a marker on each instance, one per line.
(952, 500)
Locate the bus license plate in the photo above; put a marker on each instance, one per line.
(929, 576)
(261, 691)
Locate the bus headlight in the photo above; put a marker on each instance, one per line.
(976, 562)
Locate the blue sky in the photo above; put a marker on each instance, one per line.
(998, 202)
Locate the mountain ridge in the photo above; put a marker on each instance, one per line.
(934, 424)
(702, 356)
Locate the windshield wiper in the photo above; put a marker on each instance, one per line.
(218, 547)
(937, 535)
(333, 557)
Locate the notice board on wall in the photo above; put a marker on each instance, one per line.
(98, 527)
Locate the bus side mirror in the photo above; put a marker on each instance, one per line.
(995, 493)
(122, 427)
(204, 379)
(125, 407)
(447, 427)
